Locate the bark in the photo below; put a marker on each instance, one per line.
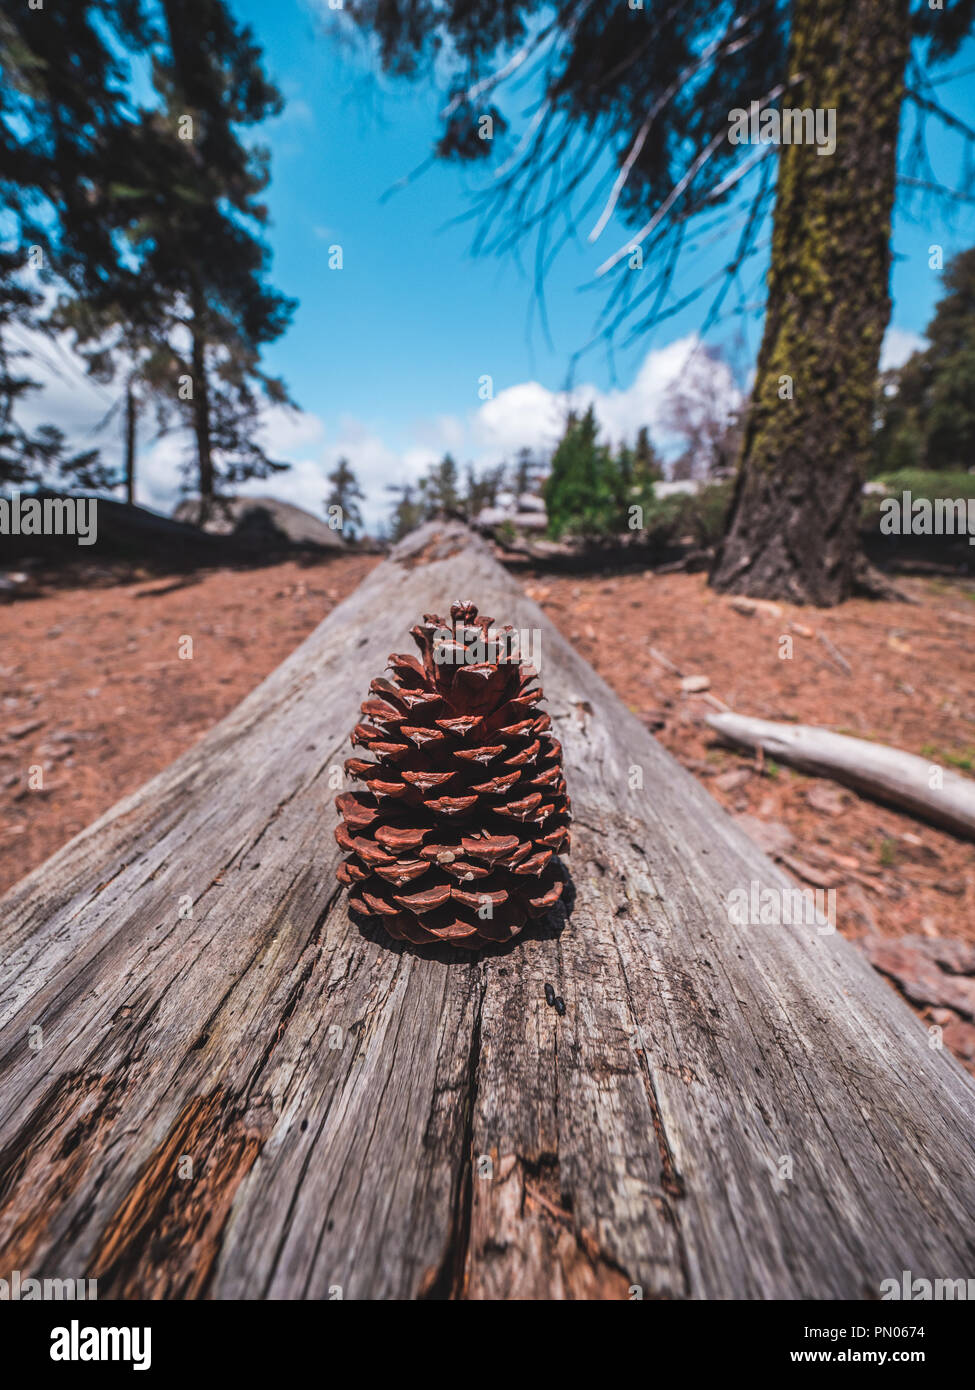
(792, 530)
(131, 420)
(214, 1084)
(201, 420)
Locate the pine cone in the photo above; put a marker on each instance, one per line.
(457, 836)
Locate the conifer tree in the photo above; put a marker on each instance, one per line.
(583, 491)
(204, 246)
(408, 511)
(346, 494)
(66, 149)
(440, 488)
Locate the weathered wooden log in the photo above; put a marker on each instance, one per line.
(213, 1083)
(887, 774)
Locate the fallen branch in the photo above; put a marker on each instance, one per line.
(836, 654)
(900, 779)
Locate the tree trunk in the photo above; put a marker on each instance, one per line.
(792, 529)
(131, 419)
(201, 420)
(213, 1083)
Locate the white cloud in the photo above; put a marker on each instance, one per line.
(530, 414)
(288, 431)
(524, 414)
(897, 347)
(527, 415)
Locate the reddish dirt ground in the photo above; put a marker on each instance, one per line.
(94, 692)
(910, 683)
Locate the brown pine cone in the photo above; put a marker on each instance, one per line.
(457, 836)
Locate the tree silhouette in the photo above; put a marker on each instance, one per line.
(346, 494)
(149, 219)
(927, 407)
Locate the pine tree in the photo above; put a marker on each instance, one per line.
(66, 149)
(584, 492)
(647, 467)
(926, 408)
(149, 218)
(527, 472)
(482, 489)
(345, 494)
(949, 365)
(408, 512)
(204, 246)
(440, 490)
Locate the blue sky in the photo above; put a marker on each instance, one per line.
(385, 355)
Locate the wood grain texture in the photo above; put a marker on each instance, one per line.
(236, 1092)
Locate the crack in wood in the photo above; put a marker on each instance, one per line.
(449, 1279)
(164, 1237)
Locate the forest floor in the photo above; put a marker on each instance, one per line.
(94, 691)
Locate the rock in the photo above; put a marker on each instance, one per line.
(653, 719)
(746, 606)
(958, 957)
(770, 835)
(811, 873)
(264, 519)
(916, 963)
(56, 751)
(731, 781)
(823, 796)
(955, 887)
(959, 1038)
(22, 730)
(14, 583)
(694, 685)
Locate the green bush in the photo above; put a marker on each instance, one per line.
(919, 482)
(700, 515)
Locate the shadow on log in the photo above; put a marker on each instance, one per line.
(212, 1084)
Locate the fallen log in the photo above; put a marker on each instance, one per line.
(213, 1083)
(899, 779)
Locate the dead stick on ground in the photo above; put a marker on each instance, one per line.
(836, 654)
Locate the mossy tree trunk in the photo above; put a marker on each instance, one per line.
(792, 528)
